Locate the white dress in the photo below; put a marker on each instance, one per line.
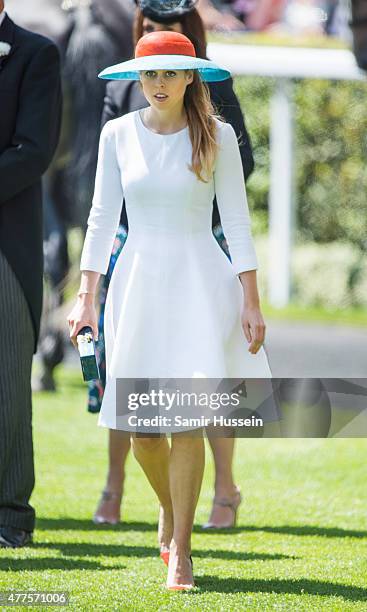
(174, 303)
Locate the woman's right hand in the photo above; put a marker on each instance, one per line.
(83, 314)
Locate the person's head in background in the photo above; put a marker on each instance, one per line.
(184, 19)
(358, 25)
(1, 5)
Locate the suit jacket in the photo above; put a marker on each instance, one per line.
(30, 116)
(126, 96)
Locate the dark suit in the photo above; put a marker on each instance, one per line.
(126, 96)
(30, 115)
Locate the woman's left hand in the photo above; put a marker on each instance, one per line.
(254, 327)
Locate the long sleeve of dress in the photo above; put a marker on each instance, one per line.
(105, 213)
(232, 201)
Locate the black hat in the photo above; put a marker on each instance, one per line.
(165, 11)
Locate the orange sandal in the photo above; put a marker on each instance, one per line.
(164, 547)
(164, 555)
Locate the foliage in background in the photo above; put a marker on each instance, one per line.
(331, 183)
(254, 96)
(321, 274)
(331, 153)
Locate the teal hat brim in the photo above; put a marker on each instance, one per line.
(131, 69)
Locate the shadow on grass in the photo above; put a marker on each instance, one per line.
(297, 530)
(240, 556)
(118, 550)
(281, 587)
(54, 524)
(9, 564)
(67, 524)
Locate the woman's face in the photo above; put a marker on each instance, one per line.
(170, 83)
(165, 89)
(154, 26)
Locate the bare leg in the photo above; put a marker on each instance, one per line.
(222, 449)
(108, 510)
(226, 496)
(176, 477)
(185, 476)
(153, 454)
(118, 449)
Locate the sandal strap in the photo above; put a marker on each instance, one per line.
(225, 502)
(110, 495)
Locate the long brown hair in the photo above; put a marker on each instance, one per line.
(197, 102)
(202, 128)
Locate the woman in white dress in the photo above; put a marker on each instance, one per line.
(176, 306)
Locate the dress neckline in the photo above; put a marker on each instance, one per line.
(157, 133)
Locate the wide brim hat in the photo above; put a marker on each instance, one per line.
(164, 50)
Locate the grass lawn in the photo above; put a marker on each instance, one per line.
(353, 316)
(301, 542)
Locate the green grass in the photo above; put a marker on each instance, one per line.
(316, 314)
(300, 543)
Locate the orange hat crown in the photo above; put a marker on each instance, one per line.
(164, 43)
